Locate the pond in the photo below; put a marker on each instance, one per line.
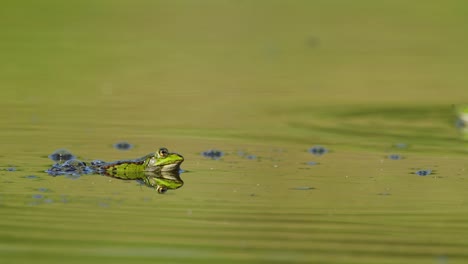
(309, 134)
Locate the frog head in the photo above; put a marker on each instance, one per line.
(163, 160)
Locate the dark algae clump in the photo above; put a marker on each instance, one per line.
(423, 172)
(394, 157)
(69, 167)
(212, 154)
(318, 150)
(123, 145)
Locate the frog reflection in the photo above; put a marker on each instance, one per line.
(161, 181)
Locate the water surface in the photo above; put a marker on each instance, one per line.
(263, 82)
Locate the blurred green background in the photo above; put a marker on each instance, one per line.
(249, 66)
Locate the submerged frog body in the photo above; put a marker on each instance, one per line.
(159, 170)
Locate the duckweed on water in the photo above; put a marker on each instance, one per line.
(42, 189)
(318, 150)
(69, 167)
(246, 155)
(38, 196)
(401, 145)
(31, 177)
(423, 172)
(61, 155)
(394, 157)
(123, 145)
(212, 154)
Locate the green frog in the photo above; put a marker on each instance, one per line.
(159, 170)
(161, 160)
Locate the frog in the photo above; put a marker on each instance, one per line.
(159, 170)
(161, 160)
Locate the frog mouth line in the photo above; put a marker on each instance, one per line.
(171, 167)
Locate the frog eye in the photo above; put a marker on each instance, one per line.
(161, 189)
(163, 152)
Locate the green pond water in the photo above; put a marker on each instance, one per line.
(262, 81)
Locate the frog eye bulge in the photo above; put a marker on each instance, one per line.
(163, 152)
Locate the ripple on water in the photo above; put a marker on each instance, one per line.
(303, 188)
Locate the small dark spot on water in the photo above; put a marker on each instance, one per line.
(401, 145)
(64, 199)
(11, 169)
(123, 145)
(31, 177)
(251, 157)
(423, 172)
(318, 150)
(103, 204)
(312, 41)
(394, 157)
(140, 182)
(303, 188)
(460, 123)
(384, 193)
(246, 155)
(61, 155)
(73, 176)
(442, 259)
(38, 196)
(212, 154)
